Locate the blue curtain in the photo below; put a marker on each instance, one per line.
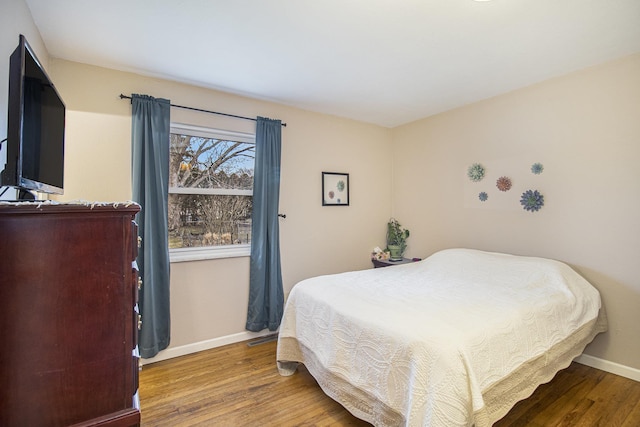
(150, 180)
(266, 297)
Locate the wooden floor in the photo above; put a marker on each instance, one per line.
(238, 385)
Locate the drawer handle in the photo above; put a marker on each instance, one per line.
(139, 241)
(139, 283)
(139, 321)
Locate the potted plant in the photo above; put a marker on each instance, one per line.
(396, 239)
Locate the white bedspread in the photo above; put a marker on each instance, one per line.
(422, 344)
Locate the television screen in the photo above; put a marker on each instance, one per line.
(36, 121)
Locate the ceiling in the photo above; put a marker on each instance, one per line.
(387, 62)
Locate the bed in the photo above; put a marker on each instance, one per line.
(454, 340)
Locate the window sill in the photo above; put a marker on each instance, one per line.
(210, 252)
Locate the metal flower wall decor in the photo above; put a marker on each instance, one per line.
(475, 172)
(532, 200)
(503, 183)
(537, 168)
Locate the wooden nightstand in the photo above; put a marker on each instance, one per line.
(379, 263)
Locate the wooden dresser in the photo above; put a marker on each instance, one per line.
(68, 321)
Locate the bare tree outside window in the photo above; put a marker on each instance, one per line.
(210, 190)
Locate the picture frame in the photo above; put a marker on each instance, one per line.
(335, 189)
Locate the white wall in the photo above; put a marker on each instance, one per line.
(585, 129)
(209, 298)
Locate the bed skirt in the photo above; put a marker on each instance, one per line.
(498, 399)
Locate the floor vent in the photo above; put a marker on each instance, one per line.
(263, 340)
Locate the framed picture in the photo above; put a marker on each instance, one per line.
(335, 189)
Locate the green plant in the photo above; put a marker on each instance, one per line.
(397, 235)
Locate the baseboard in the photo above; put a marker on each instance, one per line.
(611, 367)
(172, 352)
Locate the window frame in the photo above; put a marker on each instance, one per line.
(210, 252)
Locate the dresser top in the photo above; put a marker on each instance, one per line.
(49, 206)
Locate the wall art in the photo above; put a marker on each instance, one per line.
(476, 172)
(532, 200)
(335, 189)
(503, 183)
(537, 168)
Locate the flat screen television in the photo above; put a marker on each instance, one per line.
(35, 127)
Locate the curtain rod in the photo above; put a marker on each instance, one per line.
(205, 111)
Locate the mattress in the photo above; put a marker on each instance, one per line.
(454, 340)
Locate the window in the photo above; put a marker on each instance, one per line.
(210, 193)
